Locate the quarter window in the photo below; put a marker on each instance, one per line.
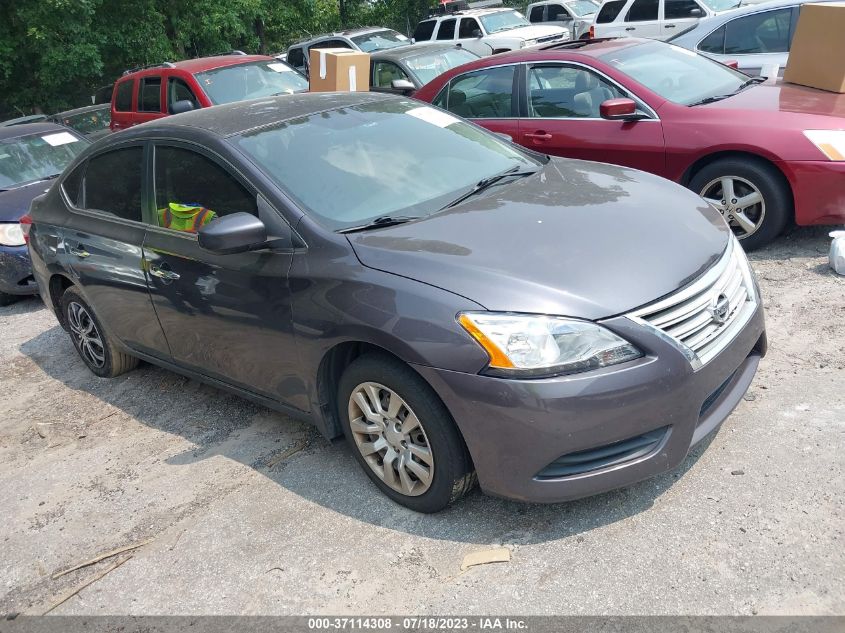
(567, 92)
(766, 32)
(484, 94)
(72, 185)
(296, 58)
(424, 30)
(609, 11)
(113, 183)
(446, 30)
(643, 11)
(123, 97)
(190, 186)
(681, 9)
(714, 43)
(468, 28)
(149, 94)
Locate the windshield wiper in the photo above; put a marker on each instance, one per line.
(385, 220)
(483, 184)
(749, 82)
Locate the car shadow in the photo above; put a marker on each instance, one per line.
(294, 455)
(796, 241)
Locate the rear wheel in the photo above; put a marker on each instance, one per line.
(402, 434)
(96, 348)
(752, 196)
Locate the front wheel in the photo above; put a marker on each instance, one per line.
(752, 196)
(402, 435)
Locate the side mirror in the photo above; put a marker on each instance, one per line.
(619, 110)
(236, 233)
(402, 85)
(178, 107)
(476, 33)
(696, 13)
(731, 63)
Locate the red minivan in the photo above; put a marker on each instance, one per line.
(148, 93)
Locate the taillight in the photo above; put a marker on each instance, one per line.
(26, 224)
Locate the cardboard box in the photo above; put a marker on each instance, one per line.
(817, 55)
(338, 70)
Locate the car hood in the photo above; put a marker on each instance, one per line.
(577, 239)
(14, 203)
(781, 97)
(531, 32)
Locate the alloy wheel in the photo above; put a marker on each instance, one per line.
(88, 338)
(739, 201)
(391, 438)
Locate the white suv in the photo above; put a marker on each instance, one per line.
(655, 19)
(488, 31)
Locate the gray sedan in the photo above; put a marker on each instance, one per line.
(757, 37)
(404, 70)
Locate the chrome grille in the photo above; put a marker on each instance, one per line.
(549, 38)
(705, 316)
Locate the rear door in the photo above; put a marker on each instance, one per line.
(150, 99)
(561, 117)
(679, 15)
(224, 316)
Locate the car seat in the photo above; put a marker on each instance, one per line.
(590, 92)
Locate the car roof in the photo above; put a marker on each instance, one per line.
(347, 33)
(202, 64)
(403, 52)
(566, 50)
(474, 12)
(236, 118)
(25, 129)
(717, 20)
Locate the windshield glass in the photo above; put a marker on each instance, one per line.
(503, 20)
(676, 74)
(582, 7)
(88, 122)
(252, 80)
(721, 5)
(399, 157)
(25, 159)
(430, 65)
(380, 40)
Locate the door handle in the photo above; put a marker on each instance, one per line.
(162, 273)
(79, 252)
(669, 26)
(631, 28)
(539, 136)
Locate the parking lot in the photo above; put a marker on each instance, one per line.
(245, 511)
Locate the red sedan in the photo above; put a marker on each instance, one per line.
(764, 154)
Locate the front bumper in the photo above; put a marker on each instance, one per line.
(515, 429)
(818, 188)
(16, 272)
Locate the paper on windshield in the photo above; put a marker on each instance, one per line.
(433, 116)
(60, 138)
(280, 68)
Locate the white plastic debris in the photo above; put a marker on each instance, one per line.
(837, 252)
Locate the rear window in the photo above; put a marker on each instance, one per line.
(424, 30)
(123, 96)
(609, 11)
(379, 41)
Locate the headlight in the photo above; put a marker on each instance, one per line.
(526, 346)
(831, 143)
(11, 234)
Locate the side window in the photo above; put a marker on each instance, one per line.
(536, 14)
(680, 9)
(296, 58)
(468, 28)
(557, 13)
(178, 90)
(192, 190)
(766, 32)
(567, 92)
(643, 11)
(424, 30)
(149, 94)
(714, 43)
(446, 31)
(113, 183)
(72, 185)
(609, 11)
(384, 73)
(123, 96)
(484, 94)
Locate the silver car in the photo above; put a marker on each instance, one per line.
(757, 36)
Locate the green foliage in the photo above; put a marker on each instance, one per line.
(55, 53)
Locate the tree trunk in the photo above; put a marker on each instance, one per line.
(259, 31)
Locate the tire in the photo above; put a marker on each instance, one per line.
(748, 176)
(96, 348)
(448, 460)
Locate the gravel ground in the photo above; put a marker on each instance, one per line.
(251, 512)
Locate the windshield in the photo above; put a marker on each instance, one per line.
(721, 5)
(252, 80)
(380, 40)
(582, 7)
(676, 74)
(503, 20)
(430, 65)
(349, 166)
(26, 159)
(88, 122)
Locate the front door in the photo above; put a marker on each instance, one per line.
(562, 117)
(224, 316)
(679, 15)
(643, 19)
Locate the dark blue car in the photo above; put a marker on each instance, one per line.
(30, 154)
